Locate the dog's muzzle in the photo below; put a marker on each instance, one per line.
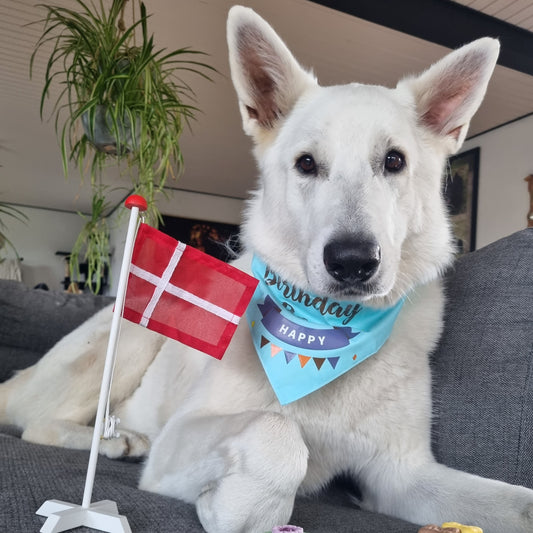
(352, 260)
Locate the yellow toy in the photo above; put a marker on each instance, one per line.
(450, 527)
(463, 529)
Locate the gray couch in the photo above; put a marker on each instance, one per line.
(483, 396)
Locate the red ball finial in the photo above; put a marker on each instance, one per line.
(135, 200)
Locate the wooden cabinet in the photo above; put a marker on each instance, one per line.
(529, 180)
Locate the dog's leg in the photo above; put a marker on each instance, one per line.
(54, 401)
(69, 434)
(426, 492)
(398, 475)
(242, 471)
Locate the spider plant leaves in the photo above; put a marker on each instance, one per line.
(95, 60)
(99, 64)
(92, 244)
(13, 212)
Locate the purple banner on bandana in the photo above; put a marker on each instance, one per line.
(300, 336)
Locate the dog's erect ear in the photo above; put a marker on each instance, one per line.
(449, 93)
(267, 78)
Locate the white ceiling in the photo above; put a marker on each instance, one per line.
(517, 12)
(340, 48)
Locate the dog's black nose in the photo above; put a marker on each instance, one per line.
(352, 260)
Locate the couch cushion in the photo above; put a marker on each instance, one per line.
(483, 368)
(31, 474)
(33, 320)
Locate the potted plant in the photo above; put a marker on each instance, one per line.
(120, 97)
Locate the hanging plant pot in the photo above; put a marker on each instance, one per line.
(113, 138)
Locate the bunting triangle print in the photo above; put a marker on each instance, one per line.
(289, 356)
(274, 350)
(333, 361)
(304, 359)
(319, 361)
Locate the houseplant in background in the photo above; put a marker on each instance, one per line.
(7, 210)
(120, 100)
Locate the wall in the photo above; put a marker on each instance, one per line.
(37, 241)
(48, 231)
(505, 160)
(181, 204)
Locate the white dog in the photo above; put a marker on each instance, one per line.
(349, 218)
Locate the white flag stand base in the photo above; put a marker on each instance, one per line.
(63, 516)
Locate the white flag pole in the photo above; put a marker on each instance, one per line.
(101, 515)
(111, 349)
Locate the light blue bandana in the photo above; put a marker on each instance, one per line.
(305, 341)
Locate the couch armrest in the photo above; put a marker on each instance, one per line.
(483, 367)
(33, 320)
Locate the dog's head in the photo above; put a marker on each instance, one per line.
(349, 202)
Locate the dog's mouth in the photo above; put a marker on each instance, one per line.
(360, 293)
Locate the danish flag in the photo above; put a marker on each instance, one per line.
(185, 294)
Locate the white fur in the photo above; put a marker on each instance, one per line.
(219, 437)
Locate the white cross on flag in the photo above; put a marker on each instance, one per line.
(185, 294)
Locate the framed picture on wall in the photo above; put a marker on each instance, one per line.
(460, 193)
(214, 238)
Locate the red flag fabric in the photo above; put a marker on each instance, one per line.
(185, 294)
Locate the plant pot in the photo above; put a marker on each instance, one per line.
(102, 136)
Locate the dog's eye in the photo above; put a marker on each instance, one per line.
(305, 164)
(394, 161)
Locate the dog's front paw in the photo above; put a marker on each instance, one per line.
(127, 444)
(523, 521)
(528, 514)
(515, 513)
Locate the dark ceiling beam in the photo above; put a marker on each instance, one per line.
(446, 23)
